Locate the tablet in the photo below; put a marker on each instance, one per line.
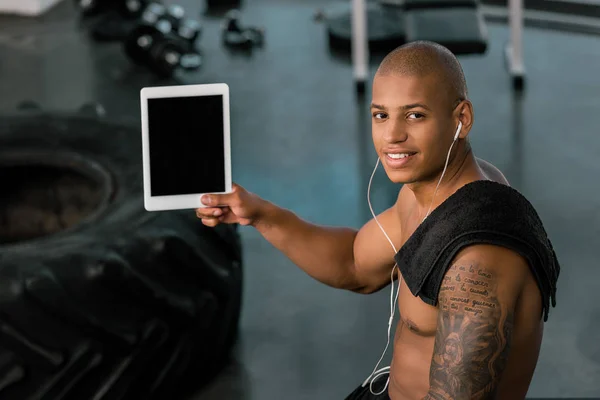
(185, 144)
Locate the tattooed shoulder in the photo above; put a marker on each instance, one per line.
(470, 289)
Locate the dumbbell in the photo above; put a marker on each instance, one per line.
(148, 30)
(170, 54)
(143, 37)
(175, 14)
(157, 47)
(132, 8)
(233, 34)
(186, 28)
(189, 30)
(152, 13)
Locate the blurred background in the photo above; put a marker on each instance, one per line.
(102, 300)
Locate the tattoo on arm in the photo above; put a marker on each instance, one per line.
(473, 336)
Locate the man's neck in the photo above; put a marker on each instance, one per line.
(461, 170)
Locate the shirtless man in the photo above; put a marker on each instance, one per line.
(440, 352)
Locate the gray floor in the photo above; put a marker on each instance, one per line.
(301, 139)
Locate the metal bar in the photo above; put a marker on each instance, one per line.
(360, 44)
(515, 50)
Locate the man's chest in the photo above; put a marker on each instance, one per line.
(417, 316)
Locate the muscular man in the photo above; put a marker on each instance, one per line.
(480, 337)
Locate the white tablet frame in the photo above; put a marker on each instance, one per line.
(184, 201)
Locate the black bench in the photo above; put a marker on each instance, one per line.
(461, 29)
(409, 5)
(456, 24)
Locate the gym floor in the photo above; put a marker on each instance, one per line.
(301, 138)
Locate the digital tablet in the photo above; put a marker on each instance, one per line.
(185, 144)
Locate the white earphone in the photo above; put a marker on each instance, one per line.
(386, 370)
(458, 130)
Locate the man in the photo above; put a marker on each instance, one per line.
(471, 321)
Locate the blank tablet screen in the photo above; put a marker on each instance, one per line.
(185, 136)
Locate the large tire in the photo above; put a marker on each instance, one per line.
(100, 299)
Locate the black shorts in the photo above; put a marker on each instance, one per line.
(364, 393)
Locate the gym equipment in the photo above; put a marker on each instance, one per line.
(108, 301)
(186, 28)
(360, 48)
(223, 4)
(167, 55)
(141, 39)
(126, 8)
(437, 4)
(174, 14)
(189, 30)
(514, 48)
(385, 29)
(115, 24)
(153, 12)
(237, 36)
(164, 41)
(457, 24)
(462, 30)
(132, 8)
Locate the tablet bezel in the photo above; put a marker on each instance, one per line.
(183, 201)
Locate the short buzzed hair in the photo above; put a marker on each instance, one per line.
(422, 58)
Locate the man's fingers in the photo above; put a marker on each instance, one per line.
(222, 199)
(212, 222)
(209, 212)
(214, 200)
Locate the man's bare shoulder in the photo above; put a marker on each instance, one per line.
(510, 264)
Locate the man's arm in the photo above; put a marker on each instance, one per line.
(359, 261)
(475, 324)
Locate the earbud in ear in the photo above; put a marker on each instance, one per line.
(458, 130)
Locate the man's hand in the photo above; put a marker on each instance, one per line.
(239, 207)
(475, 324)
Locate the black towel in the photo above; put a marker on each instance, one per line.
(481, 212)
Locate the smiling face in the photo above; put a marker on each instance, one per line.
(414, 119)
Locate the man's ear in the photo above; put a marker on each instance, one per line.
(464, 114)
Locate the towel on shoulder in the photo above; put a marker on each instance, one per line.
(481, 212)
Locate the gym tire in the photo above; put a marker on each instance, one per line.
(122, 304)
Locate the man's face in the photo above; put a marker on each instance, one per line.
(413, 115)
